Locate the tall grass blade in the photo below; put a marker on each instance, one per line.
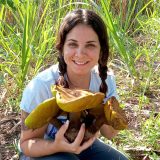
(127, 58)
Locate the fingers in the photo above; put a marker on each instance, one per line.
(85, 145)
(63, 129)
(78, 149)
(80, 135)
(76, 146)
(88, 143)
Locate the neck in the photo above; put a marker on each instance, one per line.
(79, 82)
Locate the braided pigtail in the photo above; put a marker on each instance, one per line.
(62, 70)
(103, 75)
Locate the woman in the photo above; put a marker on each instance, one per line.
(82, 63)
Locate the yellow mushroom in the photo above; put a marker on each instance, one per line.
(75, 100)
(42, 114)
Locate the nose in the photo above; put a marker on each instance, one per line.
(80, 52)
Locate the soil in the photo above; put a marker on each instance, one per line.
(9, 134)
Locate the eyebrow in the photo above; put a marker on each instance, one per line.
(71, 40)
(92, 42)
(86, 42)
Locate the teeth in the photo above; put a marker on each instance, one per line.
(80, 62)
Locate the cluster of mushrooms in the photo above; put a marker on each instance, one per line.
(79, 106)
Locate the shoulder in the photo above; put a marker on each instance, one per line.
(110, 81)
(44, 79)
(110, 75)
(39, 88)
(49, 74)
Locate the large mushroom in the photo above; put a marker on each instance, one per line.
(80, 106)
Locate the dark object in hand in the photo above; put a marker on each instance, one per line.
(109, 113)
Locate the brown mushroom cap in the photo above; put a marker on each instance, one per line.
(76, 100)
(115, 116)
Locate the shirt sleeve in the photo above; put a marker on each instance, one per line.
(35, 92)
(112, 89)
(110, 81)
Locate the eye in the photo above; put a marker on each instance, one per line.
(91, 45)
(73, 45)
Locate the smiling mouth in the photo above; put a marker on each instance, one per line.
(80, 63)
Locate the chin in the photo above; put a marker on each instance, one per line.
(81, 73)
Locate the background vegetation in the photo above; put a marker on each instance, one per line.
(28, 30)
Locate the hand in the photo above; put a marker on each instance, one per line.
(64, 146)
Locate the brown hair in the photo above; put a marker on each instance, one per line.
(87, 17)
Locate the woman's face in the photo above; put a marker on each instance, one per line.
(81, 50)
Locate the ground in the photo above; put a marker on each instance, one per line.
(10, 130)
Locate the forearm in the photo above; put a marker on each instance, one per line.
(32, 142)
(38, 147)
(108, 131)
